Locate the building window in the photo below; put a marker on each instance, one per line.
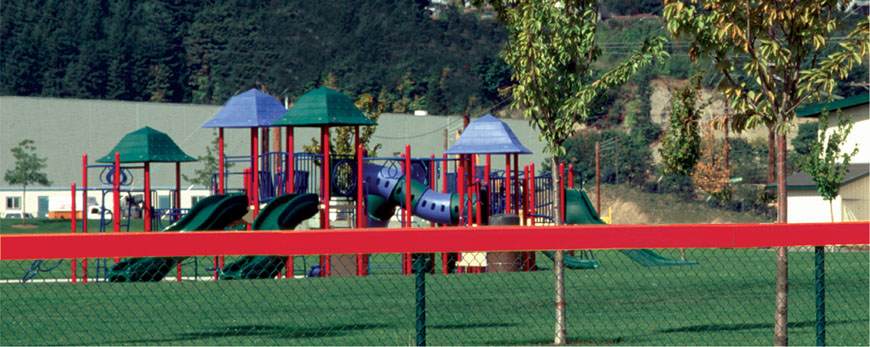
(195, 199)
(13, 203)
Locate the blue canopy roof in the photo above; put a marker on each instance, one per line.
(251, 109)
(488, 135)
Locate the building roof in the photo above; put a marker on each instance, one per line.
(323, 106)
(146, 145)
(488, 135)
(802, 180)
(251, 109)
(817, 109)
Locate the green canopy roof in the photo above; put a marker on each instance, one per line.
(817, 109)
(323, 106)
(146, 145)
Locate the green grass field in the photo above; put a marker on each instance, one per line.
(725, 300)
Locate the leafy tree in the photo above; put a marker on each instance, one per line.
(551, 48)
(210, 164)
(828, 162)
(681, 145)
(776, 47)
(28, 170)
(712, 174)
(805, 137)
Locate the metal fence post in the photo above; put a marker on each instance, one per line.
(820, 295)
(420, 291)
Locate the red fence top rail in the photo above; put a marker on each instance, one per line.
(450, 239)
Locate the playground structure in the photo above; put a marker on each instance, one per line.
(289, 188)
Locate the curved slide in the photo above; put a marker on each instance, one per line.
(282, 213)
(579, 210)
(386, 187)
(211, 213)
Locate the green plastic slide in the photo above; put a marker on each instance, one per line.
(212, 213)
(282, 213)
(579, 210)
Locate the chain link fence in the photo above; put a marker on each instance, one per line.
(724, 299)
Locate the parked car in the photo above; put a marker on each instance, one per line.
(17, 215)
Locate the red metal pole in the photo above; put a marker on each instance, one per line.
(73, 227)
(444, 256)
(525, 195)
(466, 162)
(571, 176)
(291, 163)
(255, 170)
(516, 184)
(487, 168)
(562, 191)
(178, 187)
(432, 177)
(444, 174)
(460, 189)
(530, 256)
(476, 187)
(288, 186)
(532, 187)
(360, 208)
(178, 205)
(221, 188)
(147, 181)
(325, 169)
(507, 183)
(116, 198)
(408, 206)
(85, 207)
(327, 179)
(408, 186)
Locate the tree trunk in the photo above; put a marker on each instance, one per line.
(771, 155)
(24, 204)
(780, 328)
(558, 261)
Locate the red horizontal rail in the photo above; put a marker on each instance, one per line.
(423, 240)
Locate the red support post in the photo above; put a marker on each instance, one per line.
(532, 193)
(291, 163)
(360, 207)
(444, 256)
(325, 186)
(516, 184)
(73, 227)
(408, 207)
(408, 186)
(116, 198)
(476, 187)
(146, 216)
(571, 176)
(487, 168)
(507, 183)
(178, 189)
(562, 192)
(178, 205)
(221, 164)
(432, 177)
(85, 207)
(525, 218)
(327, 175)
(460, 190)
(255, 171)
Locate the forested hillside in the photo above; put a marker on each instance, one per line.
(205, 51)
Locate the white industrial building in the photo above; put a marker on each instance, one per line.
(805, 204)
